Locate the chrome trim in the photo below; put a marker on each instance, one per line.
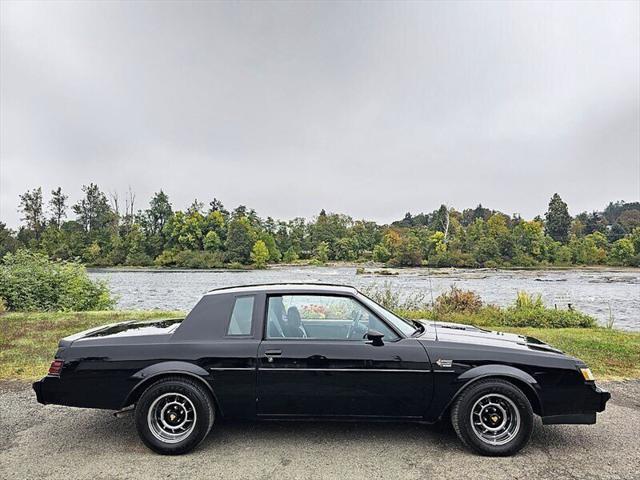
(231, 368)
(276, 369)
(221, 369)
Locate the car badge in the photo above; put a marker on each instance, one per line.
(444, 363)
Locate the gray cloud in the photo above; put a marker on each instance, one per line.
(371, 109)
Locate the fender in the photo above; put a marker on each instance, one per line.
(501, 371)
(146, 376)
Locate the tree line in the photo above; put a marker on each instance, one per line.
(108, 231)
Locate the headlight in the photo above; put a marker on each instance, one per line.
(586, 373)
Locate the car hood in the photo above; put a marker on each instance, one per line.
(458, 332)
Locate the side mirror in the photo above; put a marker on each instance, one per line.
(375, 338)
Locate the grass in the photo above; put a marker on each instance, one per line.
(611, 354)
(28, 341)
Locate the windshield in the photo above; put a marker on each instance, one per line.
(405, 326)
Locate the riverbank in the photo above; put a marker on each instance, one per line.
(28, 341)
(370, 268)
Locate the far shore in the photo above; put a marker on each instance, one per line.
(372, 267)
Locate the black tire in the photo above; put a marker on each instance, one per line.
(193, 420)
(504, 407)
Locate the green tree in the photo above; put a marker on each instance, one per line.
(212, 241)
(31, 209)
(240, 240)
(8, 242)
(158, 213)
(437, 244)
(260, 254)
(409, 252)
(185, 230)
(588, 250)
(616, 232)
(487, 249)
(529, 241)
(58, 206)
(135, 245)
(274, 252)
(558, 220)
(92, 253)
(622, 251)
(322, 252)
(93, 211)
(635, 239)
(381, 254)
(345, 249)
(290, 255)
(52, 242)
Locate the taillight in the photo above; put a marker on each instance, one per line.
(56, 367)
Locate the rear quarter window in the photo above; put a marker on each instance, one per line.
(241, 319)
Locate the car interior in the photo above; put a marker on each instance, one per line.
(322, 318)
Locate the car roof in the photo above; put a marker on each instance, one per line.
(287, 287)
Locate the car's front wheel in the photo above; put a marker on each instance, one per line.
(174, 415)
(493, 417)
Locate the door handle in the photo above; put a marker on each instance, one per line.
(273, 353)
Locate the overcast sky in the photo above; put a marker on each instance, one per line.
(370, 109)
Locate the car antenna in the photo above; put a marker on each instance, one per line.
(435, 325)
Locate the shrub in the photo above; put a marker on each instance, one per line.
(547, 318)
(527, 311)
(189, 259)
(457, 300)
(526, 300)
(30, 281)
(391, 299)
(290, 255)
(139, 259)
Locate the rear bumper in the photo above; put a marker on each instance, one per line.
(50, 390)
(37, 387)
(53, 390)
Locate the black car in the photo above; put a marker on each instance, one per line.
(294, 351)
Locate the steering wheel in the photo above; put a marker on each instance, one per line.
(355, 325)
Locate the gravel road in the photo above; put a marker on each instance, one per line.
(39, 442)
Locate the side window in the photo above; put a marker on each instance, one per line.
(241, 316)
(322, 317)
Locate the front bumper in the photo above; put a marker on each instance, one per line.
(604, 396)
(593, 402)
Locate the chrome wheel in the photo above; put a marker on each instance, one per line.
(172, 417)
(495, 419)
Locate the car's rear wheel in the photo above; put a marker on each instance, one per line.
(493, 417)
(174, 415)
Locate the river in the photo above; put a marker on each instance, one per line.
(592, 291)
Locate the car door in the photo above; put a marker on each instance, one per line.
(314, 361)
